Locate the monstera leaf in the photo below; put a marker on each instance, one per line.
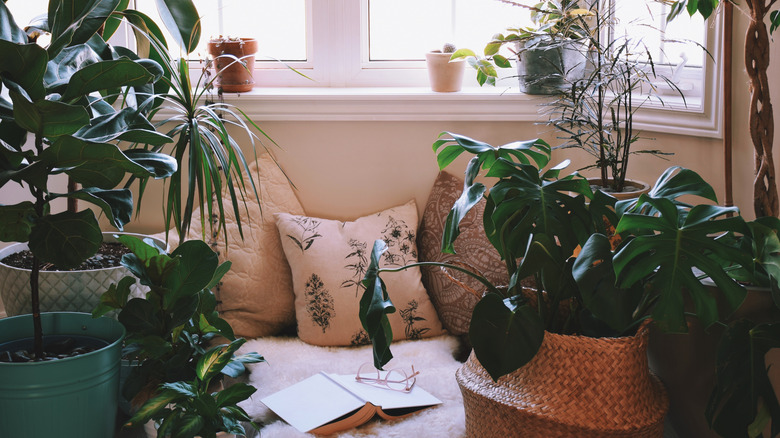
(669, 246)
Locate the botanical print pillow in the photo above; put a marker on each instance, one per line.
(329, 258)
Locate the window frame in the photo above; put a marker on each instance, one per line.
(345, 85)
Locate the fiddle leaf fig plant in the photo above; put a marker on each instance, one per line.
(58, 122)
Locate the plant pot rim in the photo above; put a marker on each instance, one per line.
(21, 246)
(45, 315)
(218, 41)
(639, 185)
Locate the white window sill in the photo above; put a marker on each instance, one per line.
(500, 104)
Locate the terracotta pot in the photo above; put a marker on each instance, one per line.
(685, 362)
(632, 188)
(445, 76)
(575, 386)
(234, 76)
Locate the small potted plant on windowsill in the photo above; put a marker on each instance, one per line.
(234, 62)
(550, 53)
(445, 74)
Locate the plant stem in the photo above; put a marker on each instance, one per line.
(40, 202)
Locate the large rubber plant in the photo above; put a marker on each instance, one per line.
(64, 117)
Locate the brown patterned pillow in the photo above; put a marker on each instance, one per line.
(455, 300)
(329, 258)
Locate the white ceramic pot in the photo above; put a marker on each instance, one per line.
(445, 76)
(71, 291)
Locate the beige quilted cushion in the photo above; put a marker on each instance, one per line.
(256, 295)
(329, 259)
(453, 301)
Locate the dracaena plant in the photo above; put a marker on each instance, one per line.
(194, 408)
(169, 330)
(203, 127)
(60, 121)
(611, 265)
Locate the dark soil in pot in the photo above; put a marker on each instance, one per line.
(108, 256)
(55, 347)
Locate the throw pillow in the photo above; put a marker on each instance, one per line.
(256, 295)
(329, 259)
(453, 293)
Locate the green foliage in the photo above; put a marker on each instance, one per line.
(204, 131)
(169, 330)
(556, 24)
(600, 267)
(187, 409)
(61, 97)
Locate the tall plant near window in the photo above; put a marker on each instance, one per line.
(761, 116)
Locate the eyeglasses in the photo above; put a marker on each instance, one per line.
(395, 379)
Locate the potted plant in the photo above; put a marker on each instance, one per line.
(169, 335)
(550, 53)
(596, 113)
(444, 73)
(607, 288)
(74, 131)
(234, 62)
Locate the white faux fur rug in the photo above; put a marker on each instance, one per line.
(289, 360)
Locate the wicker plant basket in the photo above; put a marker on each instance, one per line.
(575, 386)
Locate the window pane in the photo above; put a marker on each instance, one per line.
(25, 10)
(279, 27)
(406, 29)
(668, 42)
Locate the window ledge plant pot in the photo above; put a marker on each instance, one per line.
(445, 76)
(632, 189)
(234, 62)
(574, 386)
(63, 291)
(74, 397)
(548, 67)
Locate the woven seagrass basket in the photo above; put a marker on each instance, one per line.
(575, 386)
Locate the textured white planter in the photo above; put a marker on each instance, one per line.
(72, 291)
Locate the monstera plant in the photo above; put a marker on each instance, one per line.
(64, 118)
(601, 267)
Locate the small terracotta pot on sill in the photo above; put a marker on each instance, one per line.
(234, 78)
(445, 76)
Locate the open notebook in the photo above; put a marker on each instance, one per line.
(327, 403)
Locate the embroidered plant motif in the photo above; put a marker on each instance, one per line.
(308, 232)
(410, 318)
(358, 265)
(400, 240)
(360, 338)
(319, 302)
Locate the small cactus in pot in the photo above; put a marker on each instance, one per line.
(445, 74)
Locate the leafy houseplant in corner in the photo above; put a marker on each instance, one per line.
(444, 73)
(61, 95)
(550, 54)
(169, 332)
(593, 297)
(234, 61)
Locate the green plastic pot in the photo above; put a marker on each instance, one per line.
(73, 397)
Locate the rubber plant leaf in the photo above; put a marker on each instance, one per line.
(114, 20)
(670, 245)
(116, 204)
(9, 30)
(128, 124)
(506, 333)
(16, 221)
(25, 65)
(106, 75)
(60, 69)
(183, 22)
(66, 239)
(48, 117)
(375, 305)
(76, 21)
